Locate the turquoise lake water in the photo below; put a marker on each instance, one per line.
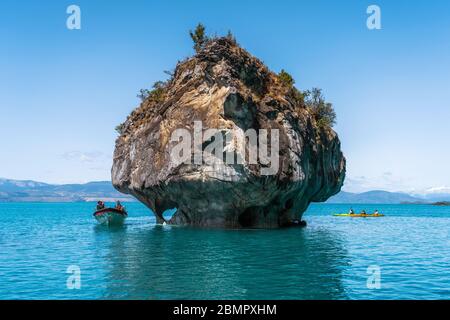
(328, 259)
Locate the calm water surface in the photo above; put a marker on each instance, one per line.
(141, 260)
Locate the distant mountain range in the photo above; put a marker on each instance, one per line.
(435, 197)
(32, 191)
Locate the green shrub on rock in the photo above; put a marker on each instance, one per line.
(322, 111)
(286, 78)
(199, 37)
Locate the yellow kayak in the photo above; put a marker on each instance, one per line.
(356, 215)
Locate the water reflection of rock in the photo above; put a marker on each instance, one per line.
(184, 263)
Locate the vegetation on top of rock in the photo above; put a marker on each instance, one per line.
(156, 94)
(286, 78)
(231, 37)
(313, 99)
(322, 111)
(222, 60)
(120, 128)
(297, 95)
(143, 94)
(199, 37)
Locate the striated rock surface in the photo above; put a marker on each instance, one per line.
(224, 87)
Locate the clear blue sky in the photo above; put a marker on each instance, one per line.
(63, 91)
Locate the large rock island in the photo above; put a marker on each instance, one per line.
(223, 87)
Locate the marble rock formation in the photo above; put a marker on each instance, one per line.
(223, 87)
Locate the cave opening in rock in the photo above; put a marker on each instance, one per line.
(247, 219)
(168, 214)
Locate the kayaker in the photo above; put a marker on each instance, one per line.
(100, 205)
(351, 211)
(119, 206)
(376, 213)
(363, 212)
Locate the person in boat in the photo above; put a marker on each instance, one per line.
(119, 206)
(376, 212)
(363, 212)
(100, 205)
(351, 211)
